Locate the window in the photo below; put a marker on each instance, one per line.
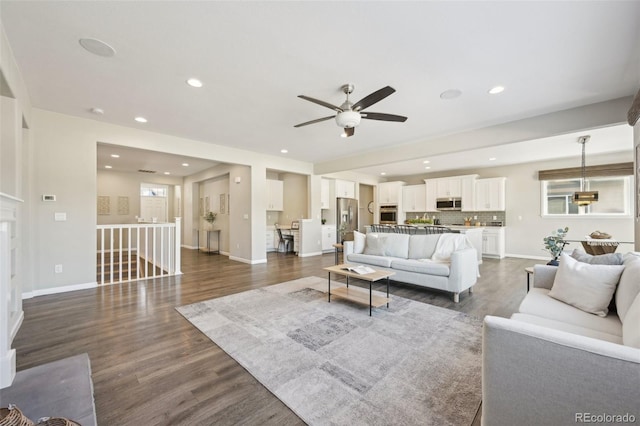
(614, 196)
(148, 190)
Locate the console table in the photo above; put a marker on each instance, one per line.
(208, 242)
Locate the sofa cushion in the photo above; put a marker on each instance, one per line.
(422, 267)
(585, 286)
(569, 328)
(629, 285)
(600, 259)
(395, 245)
(631, 325)
(370, 259)
(538, 303)
(422, 246)
(358, 242)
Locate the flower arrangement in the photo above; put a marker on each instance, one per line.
(555, 243)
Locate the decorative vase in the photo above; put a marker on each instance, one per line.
(553, 262)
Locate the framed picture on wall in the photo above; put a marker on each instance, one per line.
(638, 181)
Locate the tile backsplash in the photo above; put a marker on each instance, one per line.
(454, 217)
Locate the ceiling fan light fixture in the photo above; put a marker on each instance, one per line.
(348, 119)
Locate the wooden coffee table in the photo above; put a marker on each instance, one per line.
(357, 294)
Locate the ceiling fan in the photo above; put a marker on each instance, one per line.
(349, 114)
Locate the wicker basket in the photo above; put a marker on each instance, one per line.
(597, 249)
(56, 421)
(12, 416)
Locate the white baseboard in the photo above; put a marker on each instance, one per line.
(315, 253)
(189, 247)
(54, 290)
(250, 262)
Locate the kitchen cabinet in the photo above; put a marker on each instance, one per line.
(345, 189)
(414, 198)
(490, 194)
(390, 193)
(271, 239)
(325, 198)
(431, 195)
(467, 193)
(275, 195)
(328, 237)
(493, 242)
(449, 187)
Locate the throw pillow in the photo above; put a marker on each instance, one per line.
(358, 242)
(374, 245)
(631, 326)
(600, 259)
(585, 286)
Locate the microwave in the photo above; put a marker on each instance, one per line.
(389, 215)
(448, 204)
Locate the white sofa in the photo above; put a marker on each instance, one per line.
(445, 262)
(553, 363)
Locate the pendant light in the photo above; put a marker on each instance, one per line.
(582, 197)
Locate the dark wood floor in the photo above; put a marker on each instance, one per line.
(152, 367)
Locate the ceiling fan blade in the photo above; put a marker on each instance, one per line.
(383, 117)
(319, 102)
(349, 131)
(371, 99)
(317, 120)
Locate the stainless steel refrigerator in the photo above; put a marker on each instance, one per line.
(346, 218)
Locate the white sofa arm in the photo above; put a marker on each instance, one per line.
(463, 270)
(347, 249)
(534, 375)
(543, 276)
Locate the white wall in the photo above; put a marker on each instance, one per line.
(636, 146)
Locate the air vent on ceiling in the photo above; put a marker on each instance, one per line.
(146, 171)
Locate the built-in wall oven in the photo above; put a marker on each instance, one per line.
(389, 215)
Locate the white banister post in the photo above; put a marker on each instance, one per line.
(177, 246)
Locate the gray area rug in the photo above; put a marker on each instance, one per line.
(61, 388)
(332, 364)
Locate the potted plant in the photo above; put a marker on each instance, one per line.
(210, 217)
(555, 243)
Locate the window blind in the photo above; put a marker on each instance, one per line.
(604, 170)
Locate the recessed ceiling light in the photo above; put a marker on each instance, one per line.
(97, 47)
(167, 173)
(492, 158)
(108, 167)
(115, 156)
(427, 168)
(426, 162)
(97, 111)
(194, 82)
(284, 151)
(495, 90)
(383, 173)
(140, 119)
(185, 164)
(450, 94)
(343, 135)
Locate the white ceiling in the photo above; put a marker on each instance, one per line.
(256, 57)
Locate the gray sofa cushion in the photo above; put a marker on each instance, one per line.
(422, 246)
(370, 259)
(422, 267)
(629, 285)
(540, 304)
(394, 245)
(600, 259)
(569, 328)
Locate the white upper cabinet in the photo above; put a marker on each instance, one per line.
(449, 187)
(431, 194)
(490, 194)
(275, 195)
(468, 193)
(345, 189)
(414, 198)
(390, 193)
(325, 197)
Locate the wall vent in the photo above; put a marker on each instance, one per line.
(146, 171)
